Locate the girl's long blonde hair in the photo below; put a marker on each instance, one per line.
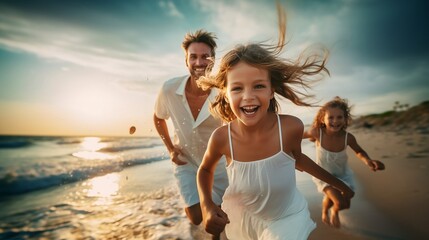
(283, 73)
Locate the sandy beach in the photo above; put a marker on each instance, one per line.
(399, 193)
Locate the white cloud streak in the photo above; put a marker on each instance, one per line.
(241, 21)
(171, 9)
(74, 44)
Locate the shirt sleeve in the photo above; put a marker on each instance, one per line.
(161, 109)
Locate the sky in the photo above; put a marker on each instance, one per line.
(95, 67)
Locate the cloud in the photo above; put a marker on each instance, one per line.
(101, 49)
(171, 9)
(125, 40)
(241, 21)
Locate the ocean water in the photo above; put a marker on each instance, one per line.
(32, 163)
(87, 188)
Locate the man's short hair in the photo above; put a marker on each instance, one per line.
(201, 36)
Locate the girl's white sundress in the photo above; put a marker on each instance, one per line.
(335, 163)
(262, 201)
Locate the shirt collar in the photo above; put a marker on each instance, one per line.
(205, 113)
(181, 89)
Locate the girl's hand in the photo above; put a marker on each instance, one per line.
(214, 220)
(375, 165)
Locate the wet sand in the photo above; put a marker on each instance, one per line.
(400, 192)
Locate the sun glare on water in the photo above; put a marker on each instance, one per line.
(92, 144)
(103, 188)
(89, 148)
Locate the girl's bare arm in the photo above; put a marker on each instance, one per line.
(206, 170)
(362, 155)
(214, 219)
(311, 134)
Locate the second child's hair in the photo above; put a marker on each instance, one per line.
(283, 74)
(200, 36)
(337, 102)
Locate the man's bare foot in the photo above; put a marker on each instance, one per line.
(335, 219)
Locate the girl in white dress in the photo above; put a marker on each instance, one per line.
(262, 148)
(329, 133)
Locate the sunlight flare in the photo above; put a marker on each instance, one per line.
(89, 148)
(103, 188)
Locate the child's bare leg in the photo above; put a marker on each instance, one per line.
(335, 218)
(338, 203)
(326, 204)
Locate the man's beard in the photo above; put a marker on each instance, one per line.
(197, 74)
(207, 69)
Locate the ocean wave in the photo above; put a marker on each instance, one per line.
(69, 141)
(23, 141)
(35, 225)
(128, 147)
(15, 143)
(17, 183)
(144, 215)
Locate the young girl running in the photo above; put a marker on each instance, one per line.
(329, 133)
(262, 148)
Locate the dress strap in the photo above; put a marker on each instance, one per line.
(230, 141)
(280, 132)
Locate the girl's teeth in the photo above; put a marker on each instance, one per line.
(249, 110)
